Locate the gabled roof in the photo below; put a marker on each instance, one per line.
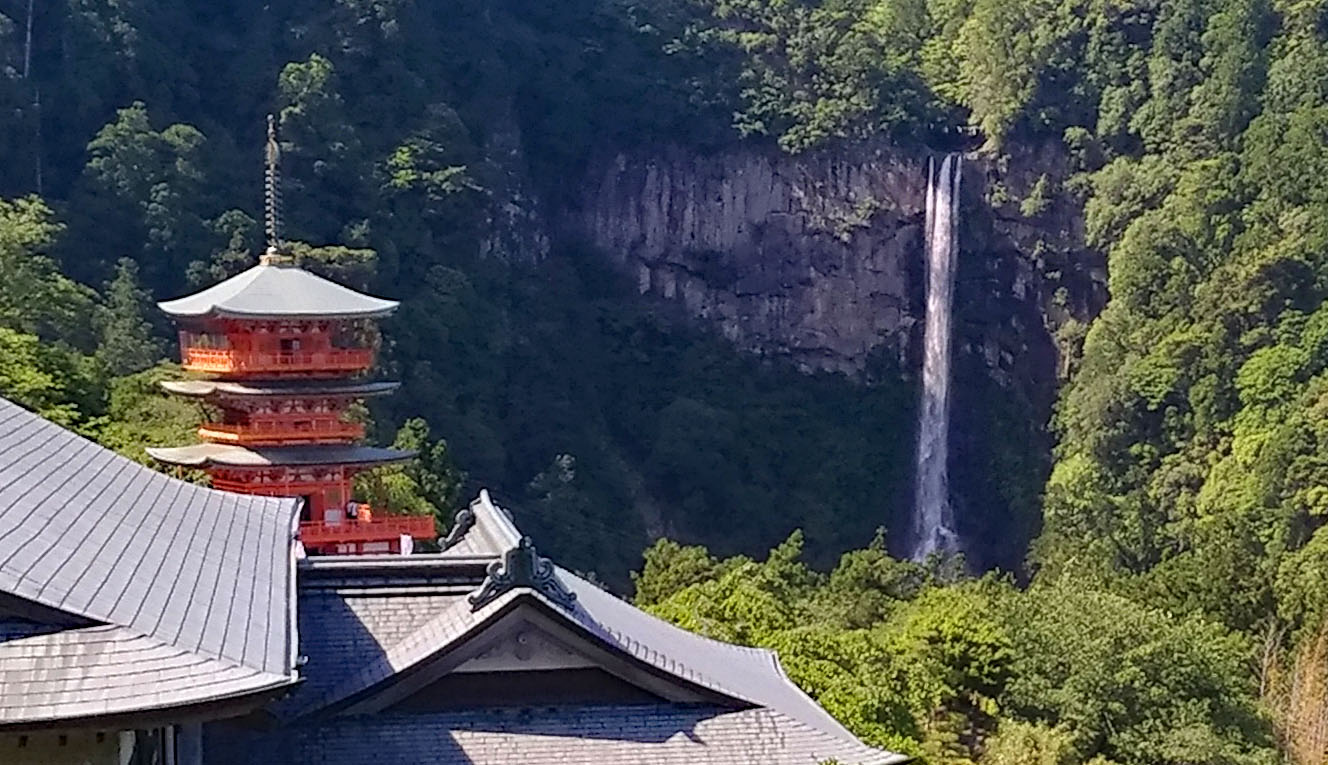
(664, 734)
(205, 388)
(228, 455)
(745, 677)
(205, 575)
(278, 291)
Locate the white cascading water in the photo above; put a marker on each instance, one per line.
(933, 518)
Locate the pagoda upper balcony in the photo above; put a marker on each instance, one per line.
(236, 361)
(323, 430)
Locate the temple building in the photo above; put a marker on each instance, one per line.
(146, 620)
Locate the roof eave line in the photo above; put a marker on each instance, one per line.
(233, 314)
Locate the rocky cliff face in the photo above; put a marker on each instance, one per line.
(818, 259)
(810, 258)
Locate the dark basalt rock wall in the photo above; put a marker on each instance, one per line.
(808, 258)
(817, 259)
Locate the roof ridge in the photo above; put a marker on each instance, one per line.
(671, 644)
(658, 658)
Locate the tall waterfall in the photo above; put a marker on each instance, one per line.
(933, 518)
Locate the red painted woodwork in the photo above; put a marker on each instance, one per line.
(230, 362)
(278, 431)
(295, 350)
(234, 348)
(379, 529)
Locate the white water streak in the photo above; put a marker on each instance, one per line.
(933, 517)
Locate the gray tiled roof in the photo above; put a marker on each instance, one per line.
(444, 628)
(90, 533)
(748, 675)
(228, 455)
(278, 291)
(204, 388)
(751, 675)
(107, 670)
(664, 734)
(341, 625)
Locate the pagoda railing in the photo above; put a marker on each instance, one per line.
(233, 361)
(272, 432)
(382, 528)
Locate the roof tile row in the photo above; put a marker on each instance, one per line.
(87, 532)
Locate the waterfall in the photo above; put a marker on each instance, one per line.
(933, 518)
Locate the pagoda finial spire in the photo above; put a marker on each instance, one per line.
(272, 195)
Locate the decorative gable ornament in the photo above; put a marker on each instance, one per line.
(461, 523)
(521, 566)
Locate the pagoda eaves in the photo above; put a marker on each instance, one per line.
(278, 291)
(275, 388)
(228, 455)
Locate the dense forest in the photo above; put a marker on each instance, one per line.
(1172, 608)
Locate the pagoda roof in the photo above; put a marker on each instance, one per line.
(126, 592)
(229, 455)
(278, 291)
(206, 388)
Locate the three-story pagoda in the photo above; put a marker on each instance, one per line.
(285, 353)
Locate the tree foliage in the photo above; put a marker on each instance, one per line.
(430, 484)
(126, 341)
(977, 670)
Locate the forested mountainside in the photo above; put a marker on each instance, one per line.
(419, 142)
(493, 165)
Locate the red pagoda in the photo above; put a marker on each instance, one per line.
(284, 352)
